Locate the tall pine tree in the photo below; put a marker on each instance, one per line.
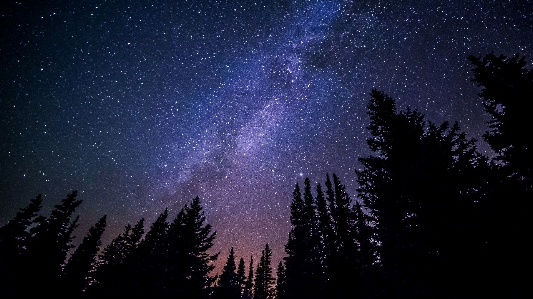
(264, 282)
(416, 191)
(14, 240)
(229, 284)
(51, 240)
(82, 261)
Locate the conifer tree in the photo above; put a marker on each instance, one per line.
(77, 270)
(51, 240)
(505, 82)
(264, 282)
(408, 185)
(280, 282)
(506, 88)
(195, 239)
(229, 283)
(148, 260)
(14, 239)
(249, 284)
(113, 267)
(296, 250)
(241, 276)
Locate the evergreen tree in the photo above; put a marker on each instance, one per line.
(296, 260)
(241, 276)
(325, 231)
(192, 243)
(280, 283)
(264, 282)
(43, 261)
(418, 171)
(147, 267)
(14, 239)
(505, 82)
(506, 88)
(15, 235)
(112, 275)
(249, 284)
(364, 237)
(229, 282)
(76, 272)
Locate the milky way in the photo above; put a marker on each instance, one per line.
(144, 106)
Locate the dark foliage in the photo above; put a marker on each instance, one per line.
(264, 282)
(76, 274)
(506, 93)
(15, 238)
(229, 282)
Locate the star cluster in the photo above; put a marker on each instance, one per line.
(143, 106)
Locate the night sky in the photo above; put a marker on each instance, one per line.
(143, 105)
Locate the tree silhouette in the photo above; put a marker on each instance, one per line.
(420, 190)
(506, 88)
(241, 276)
(51, 240)
(505, 82)
(249, 283)
(229, 282)
(281, 291)
(113, 267)
(77, 270)
(148, 261)
(193, 238)
(15, 237)
(264, 282)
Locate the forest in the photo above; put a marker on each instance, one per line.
(432, 218)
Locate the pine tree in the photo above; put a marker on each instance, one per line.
(195, 238)
(505, 82)
(408, 185)
(249, 284)
(506, 92)
(14, 239)
(280, 283)
(241, 276)
(113, 267)
(325, 231)
(51, 240)
(77, 270)
(229, 282)
(264, 282)
(296, 260)
(148, 261)
(15, 235)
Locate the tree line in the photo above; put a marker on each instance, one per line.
(433, 218)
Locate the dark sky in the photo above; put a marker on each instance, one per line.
(142, 105)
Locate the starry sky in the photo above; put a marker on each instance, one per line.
(143, 105)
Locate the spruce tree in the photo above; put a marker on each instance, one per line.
(229, 283)
(249, 283)
(506, 88)
(505, 82)
(51, 240)
(148, 264)
(82, 261)
(418, 171)
(241, 276)
(194, 240)
(264, 282)
(296, 250)
(113, 270)
(14, 239)
(281, 292)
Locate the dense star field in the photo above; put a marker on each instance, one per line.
(140, 107)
